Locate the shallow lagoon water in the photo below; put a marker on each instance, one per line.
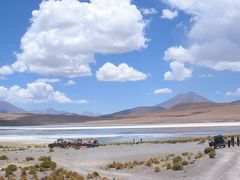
(117, 133)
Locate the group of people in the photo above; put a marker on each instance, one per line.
(136, 142)
(231, 141)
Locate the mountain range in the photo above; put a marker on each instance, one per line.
(185, 98)
(187, 107)
(6, 107)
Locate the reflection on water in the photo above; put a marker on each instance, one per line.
(104, 134)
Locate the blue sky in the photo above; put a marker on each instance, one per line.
(141, 43)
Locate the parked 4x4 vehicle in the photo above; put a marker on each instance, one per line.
(218, 142)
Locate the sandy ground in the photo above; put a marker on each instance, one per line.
(224, 166)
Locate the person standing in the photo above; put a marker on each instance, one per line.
(232, 140)
(238, 142)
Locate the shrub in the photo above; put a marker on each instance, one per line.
(10, 169)
(177, 159)
(105, 178)
(51, 150)
(3, 157)
(169, 166)
(23, 175)
(119, 166)
(90, 176)
(157, 169)
(95, 174)
(47, 163)
(35, 177)
(184, 153)
(199, 155)
(208, 150)
(45, 158)
(148, 163)
(61, 170)
(111, 165)
(185, 163)
(55, 176)
(212, 154)
(202, 141)
(32, 170)
(155, 160)
(74, 175)
(29, 158)
(177, 166)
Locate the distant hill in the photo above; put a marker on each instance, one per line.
(49, 111)
(91, 114)
(185, 98)
(238, 101)
(138, 111)
(8, 108)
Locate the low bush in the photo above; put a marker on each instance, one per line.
(111, 165)
(199, 155)
(90, 176)
(177, 166)
(184, 163)
(3, 157)
(96, 174)
(29, 158)
(192, 162)
(157, 169)
(55, 176)
(105, 178)
(119, 166)
(208, 150)
(177, 163)
(155, 160)
(45, 158)
(47, 163)
(168, 166)
(61, 170)
(32, 170)
(212, 154)
(149, 163)
(23, 175)
(10, 169)
(74, 175)
(51, 150)
(177, 159)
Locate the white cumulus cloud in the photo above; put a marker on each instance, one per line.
(213, 37)
(70, 83)
(178, 72)
(6, 70)
(168, 14)
(36, 92)
(179, 54)
(122, 72)
(65, 35)
(233, 93)
(162, 91)
(46, 80)
(148, 11)
(205, 75)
